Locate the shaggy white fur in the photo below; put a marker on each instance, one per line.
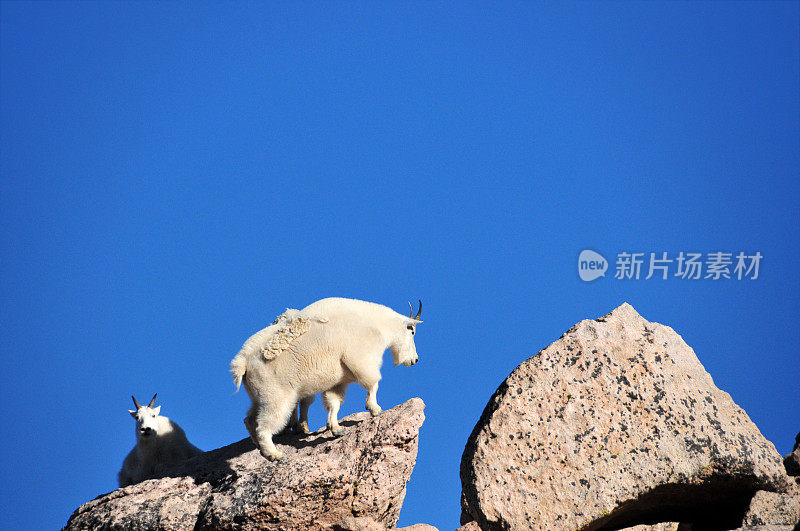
(320, 349)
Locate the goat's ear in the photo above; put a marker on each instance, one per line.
(157, 410)
(132, 412)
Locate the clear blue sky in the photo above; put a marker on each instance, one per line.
(174, 175)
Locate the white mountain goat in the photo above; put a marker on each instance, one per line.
(319, 349)
(160, 443)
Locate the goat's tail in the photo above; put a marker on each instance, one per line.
(238, 368)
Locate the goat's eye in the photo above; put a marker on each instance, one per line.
(410, 327)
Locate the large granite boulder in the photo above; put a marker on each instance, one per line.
(615, 424)
(321, 482)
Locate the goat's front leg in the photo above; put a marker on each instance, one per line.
(372, 400)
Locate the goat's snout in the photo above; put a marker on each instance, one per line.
(146, 431)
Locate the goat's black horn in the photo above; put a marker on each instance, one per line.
(419, 313)
(153, 401)
(135, 403)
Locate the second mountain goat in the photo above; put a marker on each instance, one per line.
(160, 443)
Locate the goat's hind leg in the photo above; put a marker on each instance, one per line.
(291, 426)
(271, 419)
(332, 399)
(249, 423)
(301, 426)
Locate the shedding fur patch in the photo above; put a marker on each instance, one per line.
(288, 315)
(290, 327)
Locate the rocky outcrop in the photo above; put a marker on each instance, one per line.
(365, 523)
(616, 424)
(774, 509)
(792, 461)
(321, 482)
(661, 526)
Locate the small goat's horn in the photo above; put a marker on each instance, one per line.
(153, 401)
(135, 403)
(411, 315)
(419, 313)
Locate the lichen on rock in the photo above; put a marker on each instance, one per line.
(615, 424)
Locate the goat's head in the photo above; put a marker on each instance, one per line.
(403, 349)
(146, 418)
